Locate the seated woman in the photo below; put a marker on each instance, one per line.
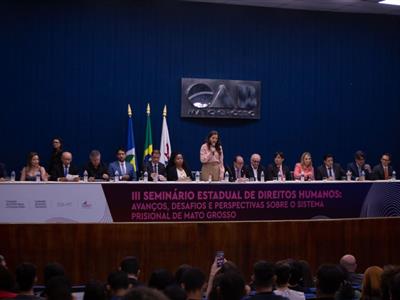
(177, 169)
(32, 168)
(304, 166)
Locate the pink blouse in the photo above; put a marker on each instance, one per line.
(206, 156)
(308, 172)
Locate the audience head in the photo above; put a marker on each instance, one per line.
(193, 280)
(388, 274)
(94, 290)
(305, 159)
(306, 275)
(155, 156)
(3, 261)
(58, 288)
(66, 158)
(32, 160)
(349, 262)
(264, 274)
(255, 160)
(175, 292)
(160, 279)
(279, 158)
(25, 275)
(385, 159)
(238, 162)
(144, 293)
(6, 280)
(130, 265)
(52, 270)
(121, 154)
(228, 286)
(329, 279)
(95, 157)
(395, 287)
(282, 272)
(371, 284)
(118, 283)
(296, 272)
(179, 273)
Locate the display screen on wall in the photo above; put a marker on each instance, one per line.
(219, 98)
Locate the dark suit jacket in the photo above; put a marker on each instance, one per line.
(322, 172)
(58, 171)
(161, 170)
(232, 173)
(352, 167)
(248, 171)
(379, 174)
(272, 172)
(172, 175)
(3, 172)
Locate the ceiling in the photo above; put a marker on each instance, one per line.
(347, 6)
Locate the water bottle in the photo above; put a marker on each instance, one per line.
(394, 175)
(209, 178)
(85, 176)
(280, 176)
(146, 177)
(262, 176)
(226, 178)
(348, 175)
(37, 176)
(116, 176)
(302, 176)
(362, 175)
(197, 176)
(12, 176)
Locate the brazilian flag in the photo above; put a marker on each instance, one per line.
(148, 143)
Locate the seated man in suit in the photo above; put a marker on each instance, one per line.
(121, 168)
(236, 171)
(329, 170)
(65, 171)
(97, 170)
(278, 167)
(384, 170)
(155, 169)
(253, 172)
(3, 172)
(358, 166)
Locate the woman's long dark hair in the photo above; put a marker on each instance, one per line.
(29, 159)
(171, 161)
(218, 144)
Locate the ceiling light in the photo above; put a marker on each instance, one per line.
(391, 2)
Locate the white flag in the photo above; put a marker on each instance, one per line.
(165, 145)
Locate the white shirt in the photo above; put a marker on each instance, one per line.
(123, 168)
(181, 174)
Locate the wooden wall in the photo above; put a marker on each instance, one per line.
(92, 250)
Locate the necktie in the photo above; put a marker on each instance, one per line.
(123, 171)
(330, 172)
(65, 171)
(386, 171)
(237, 174)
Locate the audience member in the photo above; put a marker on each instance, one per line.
(395, 288)
(179, 273)
(175, 292)
(117, 284)
(388, 274)
(59, 288)
(144, 293)
(7, 284)
(160, 279)
(283, 272)
(94, 290)
(193, 281)
(371, 284)
(349, 263)
(329, 280)
(25, 276)
(130, 265)
(227, 286)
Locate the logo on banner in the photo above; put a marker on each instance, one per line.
(86, 204)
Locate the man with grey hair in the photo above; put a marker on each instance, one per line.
(254, 171)
(97, 170)
(66, 170)
(349, 263)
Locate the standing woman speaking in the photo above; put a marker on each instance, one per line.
(212, 158)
